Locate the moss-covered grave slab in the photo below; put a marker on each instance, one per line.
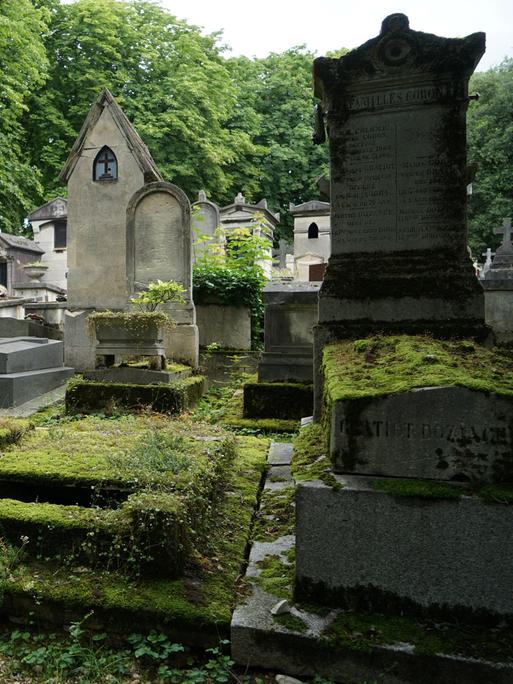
(144, 487)
(353, 645)
(164, 553)
(87, 396)
(413, 406)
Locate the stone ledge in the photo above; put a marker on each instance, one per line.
(358, 546)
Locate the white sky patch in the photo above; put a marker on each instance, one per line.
(258, 28)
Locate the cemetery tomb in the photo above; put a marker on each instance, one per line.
(497, 281)
(417, 413)
(395, 111)
(112, 511)
(30, 367)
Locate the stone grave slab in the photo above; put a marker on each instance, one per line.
(18, 388)
(357, 545)
(19, 354)
(444, 433)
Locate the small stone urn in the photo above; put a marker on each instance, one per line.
(35, 271)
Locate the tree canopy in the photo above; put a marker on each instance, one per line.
(490, 148)
(23, 65)
(213, 122)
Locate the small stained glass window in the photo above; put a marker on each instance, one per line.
(313, 231)
(105, 165)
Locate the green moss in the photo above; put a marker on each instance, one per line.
(95, 451)
(291, 622)
(423, 489)
(276, 577)
(170, 476)
(84, 396)
(310, 460)
(200, 604)
(381, 365)
(493, 493)
(276, 517)
(232, 418)
(363, 632)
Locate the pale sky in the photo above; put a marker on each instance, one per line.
(262, 26)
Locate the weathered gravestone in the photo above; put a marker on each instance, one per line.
(497, 280)
(395, 112)
(159, 244)
(290, 314)
(205, 222)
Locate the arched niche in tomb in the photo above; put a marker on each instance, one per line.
(105, 166)
(313, 231)
(159, 237)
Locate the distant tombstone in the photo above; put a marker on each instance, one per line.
(497, 281)
(281, 253)
(205, 221)
(501, 267)
(395, 110)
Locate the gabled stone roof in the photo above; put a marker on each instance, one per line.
(19, 242)
(53, 209)
(313, 207)
(239, 208)
(135, 143)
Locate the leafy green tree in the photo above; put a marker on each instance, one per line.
(490, 147)
(22, 67)
(171, 81)
(279, 89)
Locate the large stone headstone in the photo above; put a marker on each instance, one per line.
(403, 529)
(159, 244)
(395, 111)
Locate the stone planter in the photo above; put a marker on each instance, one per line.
(118, 337)
(35, 272)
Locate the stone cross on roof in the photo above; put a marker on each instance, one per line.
(505, 231)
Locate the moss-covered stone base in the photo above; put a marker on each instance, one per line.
(194, 609)
(88, 397)
(284, 400)
(233, 419)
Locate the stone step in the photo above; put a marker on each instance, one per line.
(17, 388)
(20, 354)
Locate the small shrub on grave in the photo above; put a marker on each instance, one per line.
(236, 277)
